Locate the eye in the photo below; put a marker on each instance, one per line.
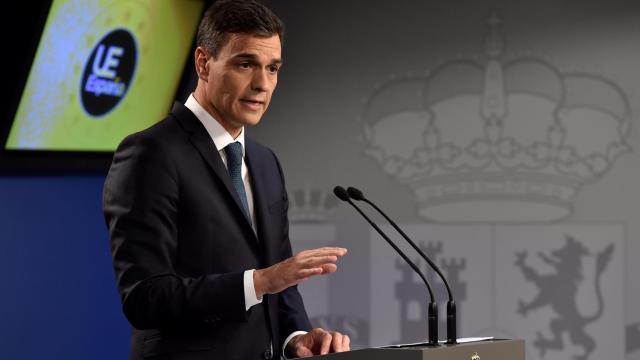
(244, 65)
(274, 69)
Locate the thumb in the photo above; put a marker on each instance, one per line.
(303, 351)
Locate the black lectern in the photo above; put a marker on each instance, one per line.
(494, 349)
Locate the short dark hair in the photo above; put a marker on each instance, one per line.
(236, 16)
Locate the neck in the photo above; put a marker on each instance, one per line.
(202, 100)
(234, 132)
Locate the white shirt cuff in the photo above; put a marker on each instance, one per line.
(286, 341)
(250, 297)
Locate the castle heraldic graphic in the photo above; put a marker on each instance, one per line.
(410, 294)
(499, 140)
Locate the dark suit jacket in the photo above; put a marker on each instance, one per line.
(181, 243)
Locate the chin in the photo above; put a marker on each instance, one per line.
(250, 120)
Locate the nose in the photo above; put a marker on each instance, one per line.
(260, 81)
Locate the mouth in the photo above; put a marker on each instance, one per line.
(252, 104)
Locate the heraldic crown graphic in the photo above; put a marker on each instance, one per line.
(496, 141)
(310, 205)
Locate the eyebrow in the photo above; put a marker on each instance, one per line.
(249, 56)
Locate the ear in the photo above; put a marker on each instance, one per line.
(201, 63)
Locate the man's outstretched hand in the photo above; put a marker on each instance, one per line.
(296, 269)
(317, 342)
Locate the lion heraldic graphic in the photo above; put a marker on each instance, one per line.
(559, 290)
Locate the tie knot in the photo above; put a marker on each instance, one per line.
(234, 153)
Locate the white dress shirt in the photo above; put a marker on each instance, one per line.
(221, 138)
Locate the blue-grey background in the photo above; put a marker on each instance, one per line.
(57, 294)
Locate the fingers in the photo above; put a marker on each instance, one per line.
(325, 343)
(324, 264)
(302, 351)
(329, 268)
(339, 342)
(318, 261)
(324, 269)
(299, 346)
(324, 251)
(296, 269)
(346, 343)
(305, 273)
(336, 341)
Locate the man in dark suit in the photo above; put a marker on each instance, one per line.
(194, 208)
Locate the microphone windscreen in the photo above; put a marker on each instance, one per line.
(341, 193)
(355, 193)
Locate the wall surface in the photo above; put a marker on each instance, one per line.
(502, 135)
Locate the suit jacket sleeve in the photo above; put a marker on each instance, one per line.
(141, 201)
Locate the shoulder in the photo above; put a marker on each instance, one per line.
(258, 148)
(165, 138)
(265, 163)
(147, 153)
(261, 153)
(153, 136)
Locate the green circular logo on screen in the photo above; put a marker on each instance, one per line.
(108, 72)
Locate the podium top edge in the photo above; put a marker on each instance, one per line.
(442, 344)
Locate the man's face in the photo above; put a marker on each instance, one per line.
(240, 82)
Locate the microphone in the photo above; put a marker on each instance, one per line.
(451, 305)
(432, 312)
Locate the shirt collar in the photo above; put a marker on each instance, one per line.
(221, 138)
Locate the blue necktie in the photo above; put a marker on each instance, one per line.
(234, 166)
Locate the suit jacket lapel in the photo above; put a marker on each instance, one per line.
(205, 146)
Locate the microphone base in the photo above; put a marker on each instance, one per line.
(432, 318)
(452, 336)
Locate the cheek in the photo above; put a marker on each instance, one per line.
(227, 92)
(227, 99)
(272, 88)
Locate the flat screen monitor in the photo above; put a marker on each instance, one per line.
(102, 69)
